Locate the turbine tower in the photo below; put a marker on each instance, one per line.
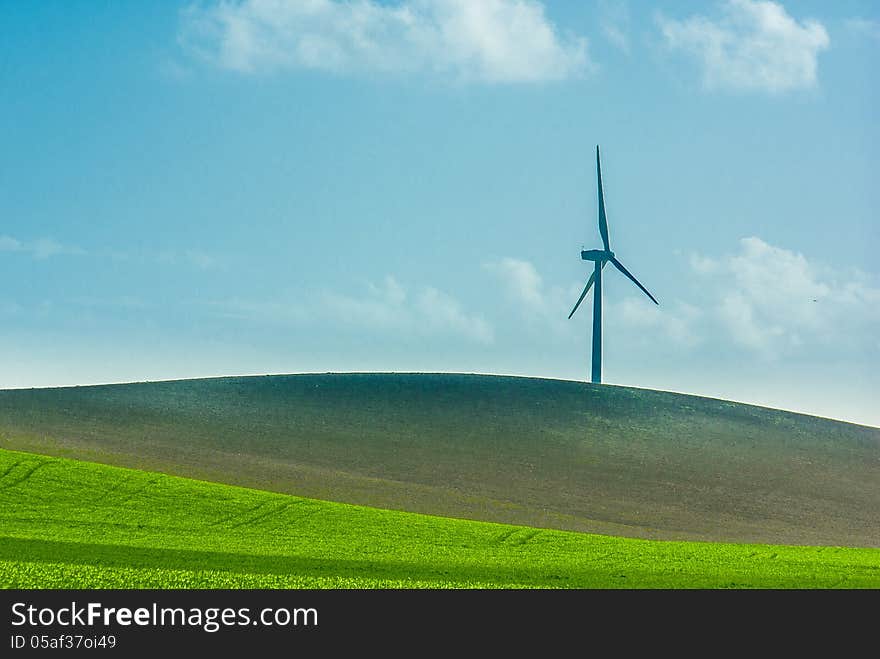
(600, 257)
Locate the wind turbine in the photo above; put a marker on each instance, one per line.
(600, 257)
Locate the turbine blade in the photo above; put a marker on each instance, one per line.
(603, 221)
(586, 290)
(619, 266)
(583, 295)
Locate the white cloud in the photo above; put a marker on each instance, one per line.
(864, 27)
(738, 314)
(10, 244)
(504, 41)
(762, 301)
(443, 312)
(542, 306)
(614, 21)
(676, 322)
(200, 259)
(755, 45)
(383, 308)
(521, 281)
(194, 257)
(545, 307)
(263, 311)
(616, 36)
(774, 301)
(46, 247)
(43, 248)
(10, 308)
(129, 302)
(703, 264)
(174, 71)
(388, 306)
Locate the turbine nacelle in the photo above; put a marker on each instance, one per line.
(597, 255)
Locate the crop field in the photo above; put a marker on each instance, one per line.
(72, 524)
(542, 453)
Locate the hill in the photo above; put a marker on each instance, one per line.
(543, 453)
(71, 524)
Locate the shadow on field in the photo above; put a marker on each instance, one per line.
(123, 556)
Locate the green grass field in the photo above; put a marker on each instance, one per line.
(542, 453)
(73, 524)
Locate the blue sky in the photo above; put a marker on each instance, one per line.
(280, 186)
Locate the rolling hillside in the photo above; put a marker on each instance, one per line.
(72, 524)
(543, 453)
